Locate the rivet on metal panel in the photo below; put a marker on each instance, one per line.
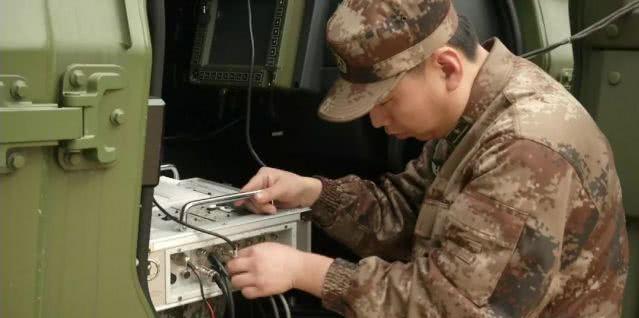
(614, 78)
(17, 160)
(20, 89)
(612, 31)
(74, 158)
(78, 78)
(118, 117)
(109, 153)
(565, 78)
(153, 269)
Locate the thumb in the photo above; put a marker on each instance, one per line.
(270, 194)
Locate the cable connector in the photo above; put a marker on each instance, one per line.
(208, 272)
(235, 250)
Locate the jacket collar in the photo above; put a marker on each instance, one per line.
(490, 81)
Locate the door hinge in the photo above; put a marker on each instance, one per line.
(83, 125)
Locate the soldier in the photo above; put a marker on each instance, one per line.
(512, 209)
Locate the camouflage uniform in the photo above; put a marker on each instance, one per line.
(517, 212)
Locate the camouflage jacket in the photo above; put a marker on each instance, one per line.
(516, 213)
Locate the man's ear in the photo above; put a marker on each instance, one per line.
(450, 63)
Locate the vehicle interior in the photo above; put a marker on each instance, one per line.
(206, 117)
(128, 126)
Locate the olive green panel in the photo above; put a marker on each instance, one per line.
(289, 45)
(33, 124)
(68, 237)
(615, 104)
(606, 82)
(631, 299)
(621, 34)
(611, 90)
(544, 22)
(608, 88)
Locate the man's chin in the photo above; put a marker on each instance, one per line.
(402, 136)
(425, 137)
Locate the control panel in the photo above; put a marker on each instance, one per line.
(173, 247)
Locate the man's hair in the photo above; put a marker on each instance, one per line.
(464, 39)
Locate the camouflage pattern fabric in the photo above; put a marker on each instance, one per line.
(192, 310)
(375, 42)
(521, 217)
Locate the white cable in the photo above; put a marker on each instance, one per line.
(276, 312)
(587, 31)
(287, 310)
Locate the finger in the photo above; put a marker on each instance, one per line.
(270, 209)
(238, 265)
(258, 181)
(243, 280)
(251, 292)
(241, 202)
(260, 208)
(272, 193)
(245, 252)
(256, 207)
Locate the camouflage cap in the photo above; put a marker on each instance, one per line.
(375, 42)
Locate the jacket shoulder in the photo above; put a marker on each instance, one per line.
(541, 110)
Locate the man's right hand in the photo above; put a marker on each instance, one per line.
(286, 189)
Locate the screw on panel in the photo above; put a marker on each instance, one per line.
(73, 158)
(17, 160)
(78, 78)
(153, 269)
(20, 89)
(612, 31)
(614, 78)
(201, 252)
(118, 117)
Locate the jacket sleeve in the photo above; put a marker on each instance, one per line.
(500, 246)
(375, 219)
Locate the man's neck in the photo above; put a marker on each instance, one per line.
(472, 69)
(475, 66)
(482, 55)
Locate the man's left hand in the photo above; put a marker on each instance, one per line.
(265, 269)
(270, 268)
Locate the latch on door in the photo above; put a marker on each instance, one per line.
(85, 125)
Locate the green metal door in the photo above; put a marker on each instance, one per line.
(606, 81)
(74, 82)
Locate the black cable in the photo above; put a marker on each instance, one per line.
(260, 308)
(249, 90)
(276, 311)
(224, 283)
(201, 285)
(287, 309)
(587, 31)
(218, 266)
(199, 229)
(516, 27)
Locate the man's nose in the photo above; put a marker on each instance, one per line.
(378, 117)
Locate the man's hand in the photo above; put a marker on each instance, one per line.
(270, 268)
(287, 189)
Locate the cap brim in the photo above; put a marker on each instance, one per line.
(348, 101)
